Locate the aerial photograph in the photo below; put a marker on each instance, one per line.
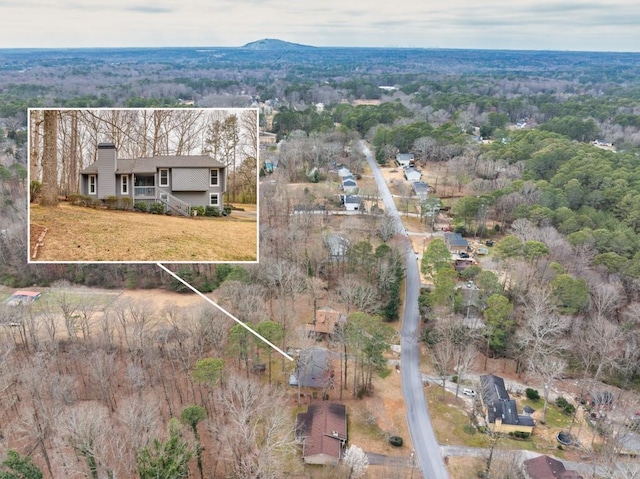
(320, 240)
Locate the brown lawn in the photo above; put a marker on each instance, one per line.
(76, 233)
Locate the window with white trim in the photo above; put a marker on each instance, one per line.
(214, 199)
(164, 177)
(124, 184)
(93, 184)
(213, 177)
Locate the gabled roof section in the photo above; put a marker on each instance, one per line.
(150, 165)
(498, 403)
(353, 199)
(455, 240)
(312, 370)
(405, 157)
(323, 429)
(545, 467)
(326, 320)
(420, 187)
(493, 388)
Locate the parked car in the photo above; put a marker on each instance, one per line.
(468, 392)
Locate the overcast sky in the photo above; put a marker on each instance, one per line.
(594, 25)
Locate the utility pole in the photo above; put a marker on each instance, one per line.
(413, 462)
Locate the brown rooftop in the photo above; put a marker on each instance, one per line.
(323, 429)
(326, 320)
(546, 467)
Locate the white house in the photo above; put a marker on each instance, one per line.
(405, 159)
(421, 189)
(351, 202)
(412, 174)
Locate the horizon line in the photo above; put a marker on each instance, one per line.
(299, 46)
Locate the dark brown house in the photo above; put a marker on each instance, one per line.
(545, 467)
(322, 431)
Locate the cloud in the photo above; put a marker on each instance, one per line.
(149, 9)
(531, 24)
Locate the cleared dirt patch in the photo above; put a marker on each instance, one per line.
(83, 234)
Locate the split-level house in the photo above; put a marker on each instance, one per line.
(500, 410)
(179, 182)
(322, 431)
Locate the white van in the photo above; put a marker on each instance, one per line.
(469, 392)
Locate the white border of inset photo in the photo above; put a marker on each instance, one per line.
(137, 185)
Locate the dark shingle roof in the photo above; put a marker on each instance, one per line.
(323, 428)
(150, 165)
(420, 187)
(545, 467)
(493, 388)
(498, 403)
(312, 370)
(456, 240)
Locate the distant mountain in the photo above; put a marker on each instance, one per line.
(275, 44)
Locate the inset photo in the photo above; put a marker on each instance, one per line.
(143, 185)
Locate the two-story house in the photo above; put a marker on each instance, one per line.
(179, 182)
(500, 410)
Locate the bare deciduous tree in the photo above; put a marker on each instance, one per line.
(549, 368)
(88, 430)
(255, 434)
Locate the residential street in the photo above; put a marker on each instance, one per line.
(423, 438)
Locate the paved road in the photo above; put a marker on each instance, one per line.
(428, 455)
(384, 460)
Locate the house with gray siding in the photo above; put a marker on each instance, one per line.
(179, 182)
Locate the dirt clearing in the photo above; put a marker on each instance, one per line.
(77, 233)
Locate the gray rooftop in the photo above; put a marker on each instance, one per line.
(312, 370)
(150, 165)
(456, 240)
(498, 403)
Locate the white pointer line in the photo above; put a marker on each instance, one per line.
(209, 300)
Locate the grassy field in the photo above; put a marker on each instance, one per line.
(76, 233)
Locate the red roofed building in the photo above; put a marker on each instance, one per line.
(22, 297)
(322, 430)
